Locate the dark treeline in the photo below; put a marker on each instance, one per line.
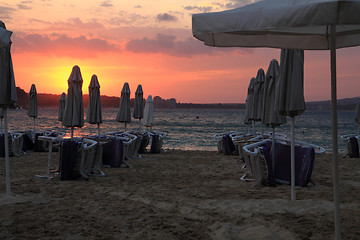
(52, 100)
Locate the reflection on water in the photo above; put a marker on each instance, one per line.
(194, 129)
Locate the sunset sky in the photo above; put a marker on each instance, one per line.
(148, 43)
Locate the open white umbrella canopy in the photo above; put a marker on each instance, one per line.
(33, 106)
(149, 112)
(8, 96)
(124, 112)
(74, 106)
(139, 104)
(62, 101)
(94, 111)
(292, 24)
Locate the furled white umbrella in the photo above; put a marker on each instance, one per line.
(139, 104)
(357, 116)
(149, 113)
(74, 106)
(33, 106)
(8, 96)
(249, 106)
(124, 112)
(292, 24)
(1, 118)
(62, 101)
(289, 100)
(271, 117)
(94, 112)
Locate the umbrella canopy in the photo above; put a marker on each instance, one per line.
(62, 101)
(271, 117)
(259, 95)
(8, 96)
(74, 106)
(139, 103)
(124, 112)
(33, 107)
(292, 24)
(249, 111)
(289, 99)
(94, 113)
(149, 112)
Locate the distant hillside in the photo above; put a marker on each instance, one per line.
(52, 100)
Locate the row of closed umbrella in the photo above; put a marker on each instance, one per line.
(277, 94)
(71, 111)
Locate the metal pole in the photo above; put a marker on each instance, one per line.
(7, 162)
(98, 130)
(273, 149)
(49, 159)
(293, 193)
(334, 127)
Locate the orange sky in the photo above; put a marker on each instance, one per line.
(141, 42)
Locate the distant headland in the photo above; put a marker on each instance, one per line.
(52, 100)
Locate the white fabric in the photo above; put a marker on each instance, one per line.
(149, 112)
(259, 95)
(270, 116)
(249, 105)
(289, 98)
(357, 113)
(124, 112)
(33, 106)
(74, 106)
(139, 103)
(62, 101)
(94, 111)
(281, 24)
(8, 96)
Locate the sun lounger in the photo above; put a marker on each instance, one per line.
(262, 170)
(352, 144)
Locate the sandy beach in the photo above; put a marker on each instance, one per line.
(177, 195)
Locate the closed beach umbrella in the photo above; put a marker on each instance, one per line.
(74, 106)
(8, 96)
(271, 117)
(289, 99)
(139, 104)
(149, 112)
(124, 112)
(94, 112)
(33, 107)
(357, 116)
(62, 101)
(292, 24)
(259, 95)
(249, 106)
(1, 117)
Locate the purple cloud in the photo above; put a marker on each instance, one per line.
(199, 9)
(106, 4)
(165, 17)
(169, 45)
(61, 45)
(6, 12)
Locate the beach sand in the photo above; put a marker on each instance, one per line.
(176, 195)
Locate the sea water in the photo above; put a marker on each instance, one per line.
(193, 129)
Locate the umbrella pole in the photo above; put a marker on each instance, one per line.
(7, 162)
(1, 130)
(98, 129)
(125, 127)
(273, 149)
(293, 193)
(34, 127)
(357, 132)
(140, 123)
(72, 132)
(334, 127)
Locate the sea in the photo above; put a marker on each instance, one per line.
(194, 129)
